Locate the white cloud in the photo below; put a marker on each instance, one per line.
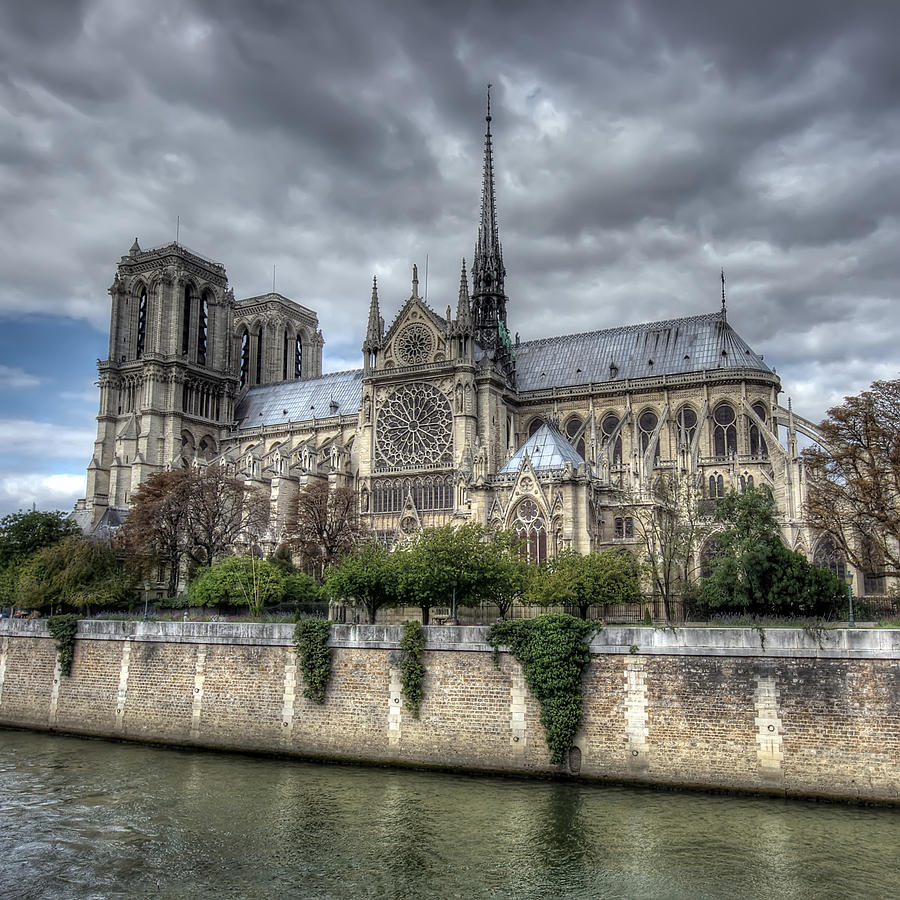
(14, 377)
(37, 440)
(42, 491)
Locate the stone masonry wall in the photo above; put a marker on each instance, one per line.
(695, 707)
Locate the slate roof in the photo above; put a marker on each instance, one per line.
(546, 449)
(295, 401)
(676, 346)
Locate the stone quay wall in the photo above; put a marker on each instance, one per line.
(786, 711)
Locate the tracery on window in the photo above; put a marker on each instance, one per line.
(415, 428)
(647, 422)
(757, 441)
(531, 529)
(828, 556)
(608, 426)
(415, 344)
(624, 526)
(716, 486)
(724, 430)
(711, 551)
(574, 425)
(428, 492)
(686, 422)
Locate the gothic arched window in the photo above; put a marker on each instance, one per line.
(829, 557)
(711, 551)
(259, 355)
(608, 426)
(757, 441)
(298, 357)
(535, 424)
(202, 325)
(531, 529)
(724, 430)
(716, 486)
(186, 321)
(647, 423)
(245, 358)
(686, 421)
(142, 323)
(574, 424)
(286, 353)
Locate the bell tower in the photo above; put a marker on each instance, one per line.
(167, 388)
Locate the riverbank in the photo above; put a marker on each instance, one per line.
(807, 713)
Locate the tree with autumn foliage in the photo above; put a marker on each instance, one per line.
(854, 478)
(324, 525)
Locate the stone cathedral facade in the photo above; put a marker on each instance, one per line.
(449, 419)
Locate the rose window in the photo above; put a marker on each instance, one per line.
(415, 344)
(414, 429)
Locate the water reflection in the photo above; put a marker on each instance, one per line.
(93, 819)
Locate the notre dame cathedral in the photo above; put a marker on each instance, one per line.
(449, 419)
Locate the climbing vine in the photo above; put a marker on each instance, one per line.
(553, 652)
(311, 644)
(412, 672)
(62, 629)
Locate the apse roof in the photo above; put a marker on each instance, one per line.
(547, 448)
(676, 346)
(335, 394)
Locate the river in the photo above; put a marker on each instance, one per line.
(86, 818)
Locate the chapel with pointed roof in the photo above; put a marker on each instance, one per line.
(564, 439)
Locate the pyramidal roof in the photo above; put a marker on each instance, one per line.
(547, 448)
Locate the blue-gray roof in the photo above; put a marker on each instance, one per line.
(547, 448)
(691, 344)
(335, 394)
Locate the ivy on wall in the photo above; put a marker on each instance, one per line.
(412, 672)
(553, 652)
(62, 629)
(311, 644)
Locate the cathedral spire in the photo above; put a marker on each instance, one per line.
(463, 311)
(373, 332)
(487, 267)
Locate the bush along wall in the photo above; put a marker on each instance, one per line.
(62, 629)
(412, 672)
(311, 644)
(553, 652)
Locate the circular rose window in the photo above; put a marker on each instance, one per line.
(414, 428)
(415, 344)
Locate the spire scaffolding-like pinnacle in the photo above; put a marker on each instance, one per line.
(463, 310)
(373, 332)
(488, 272)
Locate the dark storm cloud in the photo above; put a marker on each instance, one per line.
(640, 146)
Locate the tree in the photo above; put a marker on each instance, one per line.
(23, 533)
(443, 563)
(506, 574)
(670, 528)
(754, 572)
(367, 577)
(222, 512)
(238, 581)
(597, 579)
(77, 572)
(157, 529)
(325, 525)
(854, 479)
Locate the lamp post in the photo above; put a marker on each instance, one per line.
(848, 577)
(146, 597)
(453, 601)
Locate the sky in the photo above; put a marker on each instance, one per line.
(640, 147)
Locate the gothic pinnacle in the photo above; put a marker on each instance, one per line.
(373, 332)
(463, 312)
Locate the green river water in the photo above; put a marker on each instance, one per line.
(96, 819)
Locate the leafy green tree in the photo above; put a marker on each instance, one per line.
(754, 572)
(506, 575)
(367, 577)
(238, 581)
(24, 533)
(443, 562)
(77, 572)
(300, 587)
(596, 579)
